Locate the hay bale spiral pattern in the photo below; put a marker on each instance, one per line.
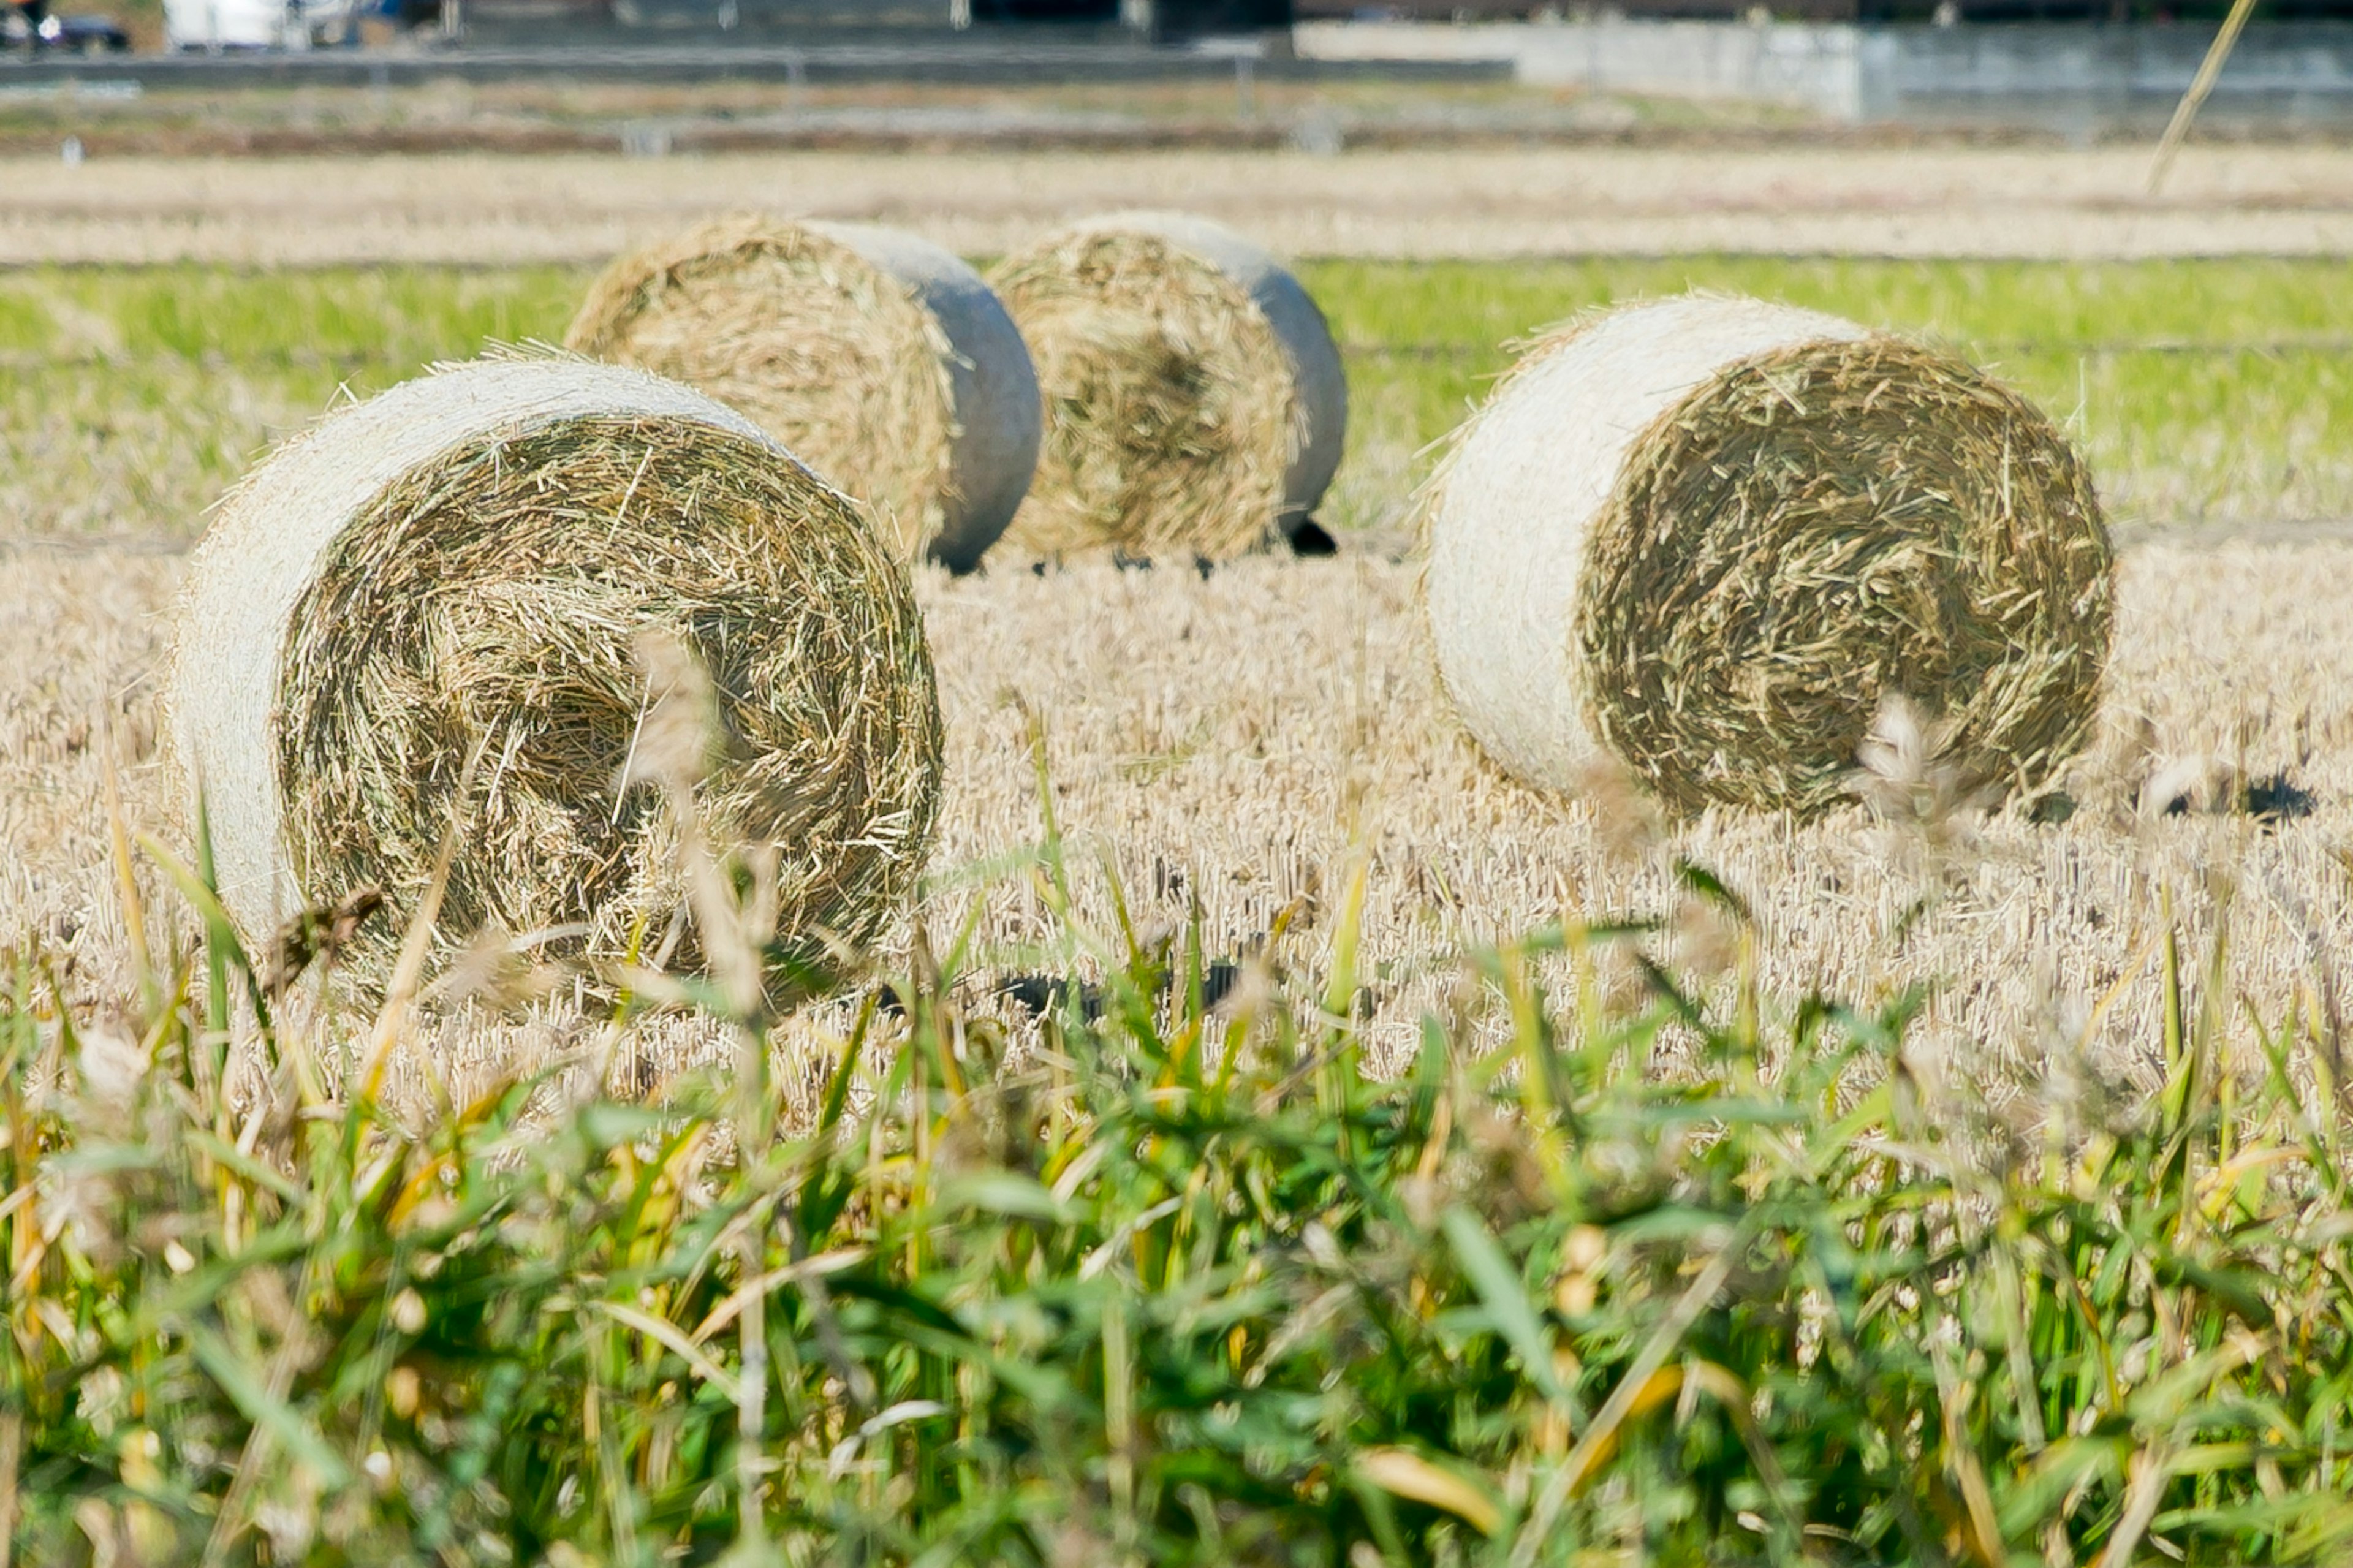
(462, 568)
(1710, 535)
(882, 362)
(1194, 399)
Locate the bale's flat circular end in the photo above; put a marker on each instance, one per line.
(879, 360)
(461, 642)
(1193, 399)
(1807, 524)
(1825, 526)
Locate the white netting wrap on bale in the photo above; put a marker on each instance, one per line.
(876, 357)
(1710, 535)
(1194, 400)
(462, 573)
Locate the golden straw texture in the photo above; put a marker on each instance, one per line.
(1194, 401)
(1231, 743)
(1823, 527)
(469, 568)
(1815, 519)
(830, 354)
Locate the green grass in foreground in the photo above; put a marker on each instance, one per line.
(2204, 391)
(1668, 1283)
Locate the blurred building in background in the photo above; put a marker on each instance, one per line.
(1470, 12)
(293, 23)
(2083, 67)
(1070, 20)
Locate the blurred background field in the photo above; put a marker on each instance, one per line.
(592, 116)
(2204, 390)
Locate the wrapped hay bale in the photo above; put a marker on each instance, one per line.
(1709, 535)
(463, 568)
(1193, 399)
(877, 358)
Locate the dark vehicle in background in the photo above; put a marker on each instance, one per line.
(28, 24)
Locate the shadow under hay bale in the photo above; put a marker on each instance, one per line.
(452, 581)
(881, 361)
(1194, 400)
(1711, 535)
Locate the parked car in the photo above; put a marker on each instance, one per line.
(28, 24)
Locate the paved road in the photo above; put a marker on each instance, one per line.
(978, 60)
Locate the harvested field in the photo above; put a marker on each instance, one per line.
(1752, 1252)
(1232, 738)
(1235, 738)
(544, 115)
(1224, 732)
(1503, 202)
(2051, 1269)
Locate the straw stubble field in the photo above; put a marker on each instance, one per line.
(1239, 739)
(1244, 736)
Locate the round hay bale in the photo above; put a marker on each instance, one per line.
(877, 358)
(1194, 400)
(1710, 535)
(463, 568)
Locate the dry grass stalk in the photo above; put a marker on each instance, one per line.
(878, 359)
(1711, 535)
(1193, 399)
(490, 597)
